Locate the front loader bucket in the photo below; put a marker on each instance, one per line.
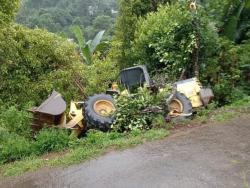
(50, 113)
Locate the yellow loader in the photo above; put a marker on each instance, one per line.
(98, 111)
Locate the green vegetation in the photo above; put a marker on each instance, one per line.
(59, 15)
(51, 140)
(130, 115)
(172, 39)
(15, 134)
(8, 9)
(42, 62)
(15, 122)
(129, 13)
(169, 44)
(233, 110)
(14, 147)
(95, 144)
(99, 75)
(17, 141)
(87, 49)
(212, 42)
(225, 113)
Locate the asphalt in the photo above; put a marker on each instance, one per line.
(213, 155)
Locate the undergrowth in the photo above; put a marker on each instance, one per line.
(20, 154)
(94, 144)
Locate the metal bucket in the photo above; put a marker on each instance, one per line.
(50, 113)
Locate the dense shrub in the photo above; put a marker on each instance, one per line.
(4, 133)
(224, 72)
(244, 57)
(99, 75)
(51, 140)
(8, 9)
(96, 137)
(129, 115)
(16, 142)
(159, 121)
(16, 121)
(15, 134)
(129, 13)
(167, 40)
(13, 147)
(33, 63)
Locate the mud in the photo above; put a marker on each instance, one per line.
(213, 155)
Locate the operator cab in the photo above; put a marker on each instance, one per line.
(135, 77)
(131, 78)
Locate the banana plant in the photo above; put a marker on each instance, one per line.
(87, 48)
(235, 25)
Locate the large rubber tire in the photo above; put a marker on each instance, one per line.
(187, 107)
(94, 120)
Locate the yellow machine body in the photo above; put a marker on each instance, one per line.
(191, 88)
(52, 111)
(76, 122)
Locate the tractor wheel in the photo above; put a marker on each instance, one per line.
(180, 107)
(99, 111)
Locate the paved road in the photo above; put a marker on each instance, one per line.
(215, 155)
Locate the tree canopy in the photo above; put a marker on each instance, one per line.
(8, 9)
(59, 15)
(129, 13)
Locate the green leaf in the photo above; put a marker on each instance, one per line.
(231, 26)
(96, 41)
(87, 56)
(76, 30)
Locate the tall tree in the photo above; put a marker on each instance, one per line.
(129, 13)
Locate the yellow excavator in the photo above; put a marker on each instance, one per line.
(98, 111)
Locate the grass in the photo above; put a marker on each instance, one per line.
(233, 110)
(94, 145)
(97, 143)
(225, 113)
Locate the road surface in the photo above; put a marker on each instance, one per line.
(213, 155)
